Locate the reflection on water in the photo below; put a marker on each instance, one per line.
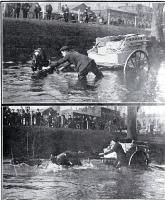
(91, 181)
(19, 86)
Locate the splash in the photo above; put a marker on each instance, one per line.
(85, 165)
(50, 167)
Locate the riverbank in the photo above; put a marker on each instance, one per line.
(39, 141)
(21, 36)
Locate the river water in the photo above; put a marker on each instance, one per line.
(93, 180)
(19, 86)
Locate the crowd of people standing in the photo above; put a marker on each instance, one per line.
(14, 10)
(21, 117)
(25, 117)
(35, 10)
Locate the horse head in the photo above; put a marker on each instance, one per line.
(39, 59)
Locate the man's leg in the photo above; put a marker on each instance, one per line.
(82, 74)
(94, 69)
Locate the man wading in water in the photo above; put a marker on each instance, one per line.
(121, 156)
(83, 64)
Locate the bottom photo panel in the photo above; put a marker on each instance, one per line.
(83, 152)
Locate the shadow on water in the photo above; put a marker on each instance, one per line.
(20, 86)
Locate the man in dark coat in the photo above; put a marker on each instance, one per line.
(121, 155)
(17, 10)
(37, 10)
(38, 118)
(86, 16)
(66, 13)
(83, 64)
(25, 9)
(49, 11)
(66, 159)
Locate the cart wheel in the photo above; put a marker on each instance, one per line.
(137, 61)
(139, 157)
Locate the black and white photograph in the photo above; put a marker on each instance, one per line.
(83, 52)
(83, 152)
(82, 100)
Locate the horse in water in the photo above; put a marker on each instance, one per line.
(39, 59)
(67, 159)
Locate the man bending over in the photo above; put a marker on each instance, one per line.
(83, 64)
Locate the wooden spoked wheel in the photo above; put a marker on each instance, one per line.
(137, 61)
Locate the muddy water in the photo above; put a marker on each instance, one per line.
(19, 86)
(93, 180)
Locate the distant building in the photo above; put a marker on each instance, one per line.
(117, 16)
(79, 11)
(131, 14)
(151, 121)
(144, 13)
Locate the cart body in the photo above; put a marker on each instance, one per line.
(135, 154)
(113, 51)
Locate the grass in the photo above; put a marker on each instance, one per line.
(21, 36)
(45, 140)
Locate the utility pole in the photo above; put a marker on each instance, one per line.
(131, 122)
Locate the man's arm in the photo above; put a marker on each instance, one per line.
(110, 151)
(55, 64)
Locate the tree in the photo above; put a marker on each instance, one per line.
(157, 21)
(131, 122)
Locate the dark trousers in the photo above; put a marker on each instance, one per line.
(49, 15)
(92, 67)
(25, 14)
(37, 15)
(16, 14)
(66, 17)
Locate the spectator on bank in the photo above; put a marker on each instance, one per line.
(6, 115)
(69, 121)
(38, 118)
(33, 118)
(66, 13)
(22, 116)
(25, 9)
(13, 118)
(49, 11)
(50, 120)
(27, 117)
(86, 16)
(78, 122)
(93, 123)
(37, 10)
(62, 9)
(63, 121)
(58, 120)
(17, 10)
(18, 118)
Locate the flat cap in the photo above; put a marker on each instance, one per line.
(65, 48)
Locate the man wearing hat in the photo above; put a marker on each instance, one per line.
(83, 64)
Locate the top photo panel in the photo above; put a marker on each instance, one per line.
(57, 52)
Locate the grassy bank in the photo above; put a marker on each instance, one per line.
(21, 36)
(42, 141)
